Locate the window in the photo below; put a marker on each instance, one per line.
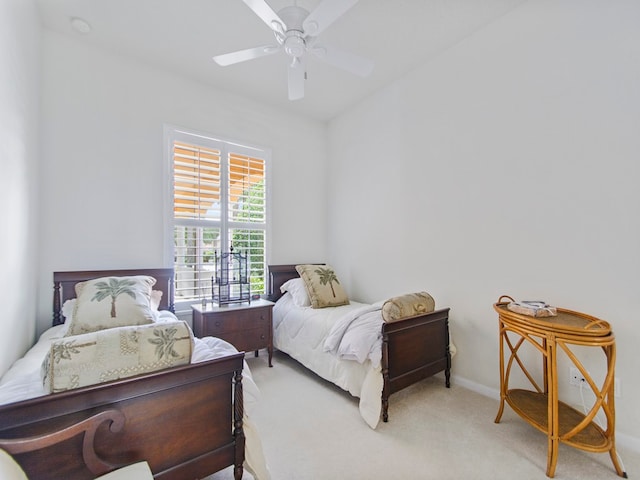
(219, 201)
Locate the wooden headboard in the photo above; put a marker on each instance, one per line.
(64, 285)
(278, 275)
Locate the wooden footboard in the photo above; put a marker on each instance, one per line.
(186, 422)
(414, 349)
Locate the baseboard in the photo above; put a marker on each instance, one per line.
(627, 441)
(476, 387)
(622, 439)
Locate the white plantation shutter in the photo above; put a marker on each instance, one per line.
(219, 200)
(196, 187)
(246, 189)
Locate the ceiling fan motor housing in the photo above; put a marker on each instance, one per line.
(295, 44)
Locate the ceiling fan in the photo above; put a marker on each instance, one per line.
(296, 32)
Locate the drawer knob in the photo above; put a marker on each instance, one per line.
(262, 337)
(217, 323)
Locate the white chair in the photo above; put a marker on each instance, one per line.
(10, 470)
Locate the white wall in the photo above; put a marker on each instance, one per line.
(507, 165)
(103, 118)
(19, 98)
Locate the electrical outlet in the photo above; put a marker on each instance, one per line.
(575, 377)
(617, 387)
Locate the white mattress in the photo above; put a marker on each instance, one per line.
(302, 333)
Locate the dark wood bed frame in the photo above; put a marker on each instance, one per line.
(186, 421)
(412, 349)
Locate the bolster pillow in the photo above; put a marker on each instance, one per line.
(406, 306)
(91, 358)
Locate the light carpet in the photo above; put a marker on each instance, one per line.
(312, 430)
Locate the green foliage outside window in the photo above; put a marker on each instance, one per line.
(251, 241)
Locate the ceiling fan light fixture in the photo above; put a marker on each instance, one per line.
(294, 44)
(293, 17)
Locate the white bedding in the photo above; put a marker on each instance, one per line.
(23, 381)
(340, 344)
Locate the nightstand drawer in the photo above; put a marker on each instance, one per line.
(248, 340)
(237, 321)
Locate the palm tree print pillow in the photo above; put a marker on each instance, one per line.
(322, 285)
(110, 302)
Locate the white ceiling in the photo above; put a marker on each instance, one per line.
(183, 35)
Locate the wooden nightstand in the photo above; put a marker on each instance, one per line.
(247, 326)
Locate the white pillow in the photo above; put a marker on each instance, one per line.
(298, 291)
(67, 312)
(156, 298)
(67, 308)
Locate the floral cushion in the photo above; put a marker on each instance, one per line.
(110, 302)
(405, 306)
(322, 285)
(115, 353)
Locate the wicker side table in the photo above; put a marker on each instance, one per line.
(540, 405)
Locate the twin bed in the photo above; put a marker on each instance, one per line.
(185, 422)
(189, 421)
(355, 347)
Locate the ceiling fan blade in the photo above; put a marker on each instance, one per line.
(266, 14)
(297, 74)
(325, 14)
(347, 61)
(244, 55)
